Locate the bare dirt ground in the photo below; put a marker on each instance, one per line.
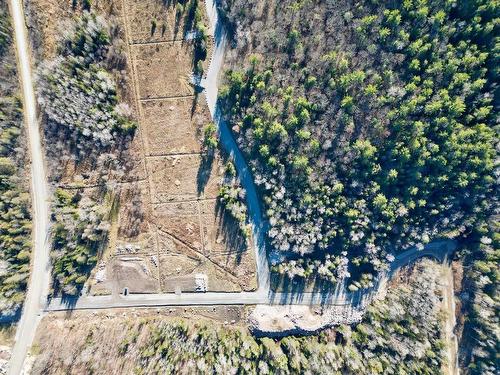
(163, 70)
(180, 118)
(449, 308)
(150, 23)
(188, 233)
(168, 227)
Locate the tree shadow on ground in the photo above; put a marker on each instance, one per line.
(11, 318)
(197, 91)
(235, 242)
(189, 18)
(291, 290)
(69, 301)
(285, 290)
(204, 171)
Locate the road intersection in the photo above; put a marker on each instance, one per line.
(439, 250)
(36, 302)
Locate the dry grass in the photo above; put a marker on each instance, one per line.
(91, 340)
(163, 70)
(182, 177)
(174, 126)
(167, 188)
(49, 17)
(142, 14)
(180, 220)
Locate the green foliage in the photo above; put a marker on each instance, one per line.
(232, 197)
(5, 30)
(481, 339)
(194, 22)
(77, 93)
(79, 232)
(210, 139)
(15, 218)
(399, 335)
(399, 102)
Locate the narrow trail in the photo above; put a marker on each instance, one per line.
(39, 281)
(452, 367)
(263, 295)
(38, 286)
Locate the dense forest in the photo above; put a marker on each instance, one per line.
(401, 334)
(15, 217)
(79, 234)
(369, 125)
(77, 92)
(480, 342)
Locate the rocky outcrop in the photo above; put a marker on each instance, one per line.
(277, 321)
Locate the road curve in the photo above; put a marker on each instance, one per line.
(38, 286)
(263, 295)
(39, 280)
(440, 250)
(211, 89)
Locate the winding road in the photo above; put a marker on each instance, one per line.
(439, 250)
(211, 89)
(38, 286)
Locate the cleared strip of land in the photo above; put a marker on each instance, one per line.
(39, 279)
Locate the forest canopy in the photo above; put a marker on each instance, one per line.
(76, 91)
(370, 127)
(86, 122)
(385, 342)
(15, 217)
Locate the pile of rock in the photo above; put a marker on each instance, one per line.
(201, 282)
(127, 249)
(100, 275)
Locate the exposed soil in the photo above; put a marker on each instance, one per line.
(168, 226)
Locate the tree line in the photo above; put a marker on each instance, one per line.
(367, 136)
(15, 215)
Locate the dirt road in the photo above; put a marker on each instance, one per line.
(452, 367)
(39, 279)
(440, 250)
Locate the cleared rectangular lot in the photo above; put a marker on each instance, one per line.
(163, 70)
(180, 220)
(174, 126)
(154, 21)
(182, 177)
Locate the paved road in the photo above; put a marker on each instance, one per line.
(39, 280)
(440, 250)
(263, 295)
(211, 89)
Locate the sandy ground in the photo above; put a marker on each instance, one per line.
(72, 344)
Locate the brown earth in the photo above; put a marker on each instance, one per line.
(150, 21)
(182, 119)
(167, 227)
(163, 70)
